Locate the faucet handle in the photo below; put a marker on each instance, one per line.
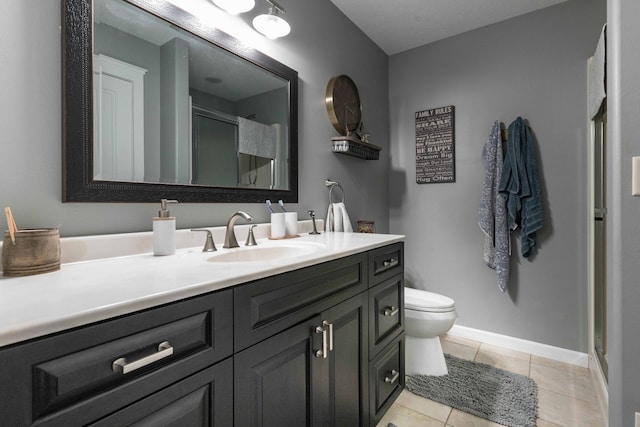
(251, 240)
(209, 246)
(312, 214)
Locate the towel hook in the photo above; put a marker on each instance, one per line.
(332, 185)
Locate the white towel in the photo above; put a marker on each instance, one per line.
(256, 139)
(338, 218)
(597, 66)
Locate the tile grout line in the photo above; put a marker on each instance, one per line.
(446, 422)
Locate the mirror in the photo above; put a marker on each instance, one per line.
(158, 104)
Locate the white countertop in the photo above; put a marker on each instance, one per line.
(88, 291)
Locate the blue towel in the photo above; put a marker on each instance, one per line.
(492, 215)
(520, 183)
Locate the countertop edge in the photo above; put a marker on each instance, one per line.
(21, 331)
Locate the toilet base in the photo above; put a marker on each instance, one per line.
(424, 356)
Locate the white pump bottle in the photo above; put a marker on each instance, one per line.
(164, 230)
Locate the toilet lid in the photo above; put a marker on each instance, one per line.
(419, 300)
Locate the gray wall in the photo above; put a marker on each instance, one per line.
(174, 112)
(30, 123)
(532, 66)
(623, 93)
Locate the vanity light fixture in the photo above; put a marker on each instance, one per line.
(270, 24)
(235, 7)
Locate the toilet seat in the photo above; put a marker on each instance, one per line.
(419, 300)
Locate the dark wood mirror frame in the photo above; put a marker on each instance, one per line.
(77, 121)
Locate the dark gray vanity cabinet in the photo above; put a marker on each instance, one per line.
(172, 363)
(314, 370)
(312, 374)
(386, 328)
(318, 346)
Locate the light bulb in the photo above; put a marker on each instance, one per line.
(271, 25)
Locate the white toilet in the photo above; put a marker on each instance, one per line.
(427, 316)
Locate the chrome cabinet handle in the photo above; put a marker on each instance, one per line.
(391, 311)
(330, 325)
(123, 366)
(394, 377)
(322, 353)
(391, 263)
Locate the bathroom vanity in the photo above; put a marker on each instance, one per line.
(313, 339)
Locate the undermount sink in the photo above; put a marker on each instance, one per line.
(264, 253)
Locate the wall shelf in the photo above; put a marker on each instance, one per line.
(351, 146)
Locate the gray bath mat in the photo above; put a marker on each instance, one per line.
(482, 390)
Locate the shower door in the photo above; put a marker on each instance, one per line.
(214, 149)
(599, 227)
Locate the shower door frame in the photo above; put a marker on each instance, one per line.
(599, 257)
(597, 370)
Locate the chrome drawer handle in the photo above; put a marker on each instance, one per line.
(330, 325)
(322, 353)
(124, 367)
(391, 263)
(394, 377)
(391, 311)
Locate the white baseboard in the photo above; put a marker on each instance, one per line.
(543, 350)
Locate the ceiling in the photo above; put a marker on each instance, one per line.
(396, 26)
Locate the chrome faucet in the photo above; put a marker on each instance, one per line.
(230, 236)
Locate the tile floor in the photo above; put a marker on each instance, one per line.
(566, 394)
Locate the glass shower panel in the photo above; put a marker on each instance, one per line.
(215, 152)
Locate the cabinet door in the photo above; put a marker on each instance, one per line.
(280, 381)
(386, 379)
(202, 400)
(347, 360)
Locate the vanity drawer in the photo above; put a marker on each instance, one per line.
(386, 313)
(202, 400)
(268, 306)
(386, 379)
(106, 366)
(385, 262)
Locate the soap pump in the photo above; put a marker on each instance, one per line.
(164, 230)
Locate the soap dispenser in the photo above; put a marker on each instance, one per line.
(164, 230)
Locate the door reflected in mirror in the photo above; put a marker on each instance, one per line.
(169, 107)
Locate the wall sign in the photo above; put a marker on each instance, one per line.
(435, 144)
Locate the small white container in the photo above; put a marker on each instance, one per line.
(164, 236)
(291, 224)
(277, 226)
(164, 231)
